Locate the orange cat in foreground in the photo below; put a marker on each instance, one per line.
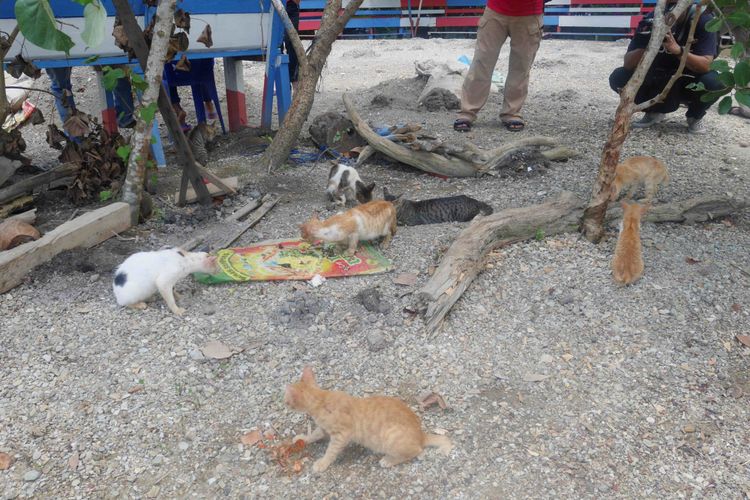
(380, 423)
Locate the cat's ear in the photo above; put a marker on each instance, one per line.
(308, 376)
(623, 204)
(645, 208)
(291, 396)
(370, 188)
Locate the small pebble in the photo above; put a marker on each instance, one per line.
(31, 476)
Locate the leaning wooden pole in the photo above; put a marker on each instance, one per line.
(133, 189)
(592, 225)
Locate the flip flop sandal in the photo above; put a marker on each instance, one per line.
(514, 125)
(461, 125)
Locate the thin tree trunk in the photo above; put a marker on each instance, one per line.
(310, 67)
(4, 104)
(133, 188)
(592, 225)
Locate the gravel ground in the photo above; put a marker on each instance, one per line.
(559, 383)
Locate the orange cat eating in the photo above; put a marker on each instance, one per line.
(380, 423)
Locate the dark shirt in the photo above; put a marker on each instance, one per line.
(704, 42)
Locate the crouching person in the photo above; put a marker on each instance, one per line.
(697, 70)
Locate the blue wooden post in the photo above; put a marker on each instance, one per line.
(274, 46)
(283, 86)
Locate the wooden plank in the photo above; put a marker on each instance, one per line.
(233, 230)
(86, 230)
(213, 190)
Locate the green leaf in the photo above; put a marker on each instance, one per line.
(743, 96)
(83, 2)
(720, 65)
(713, 25)
(737, 51)
(713, 96)
(138, 82)
(727, 79)
(91, 59)
(697, 87)
(94, 16)
(739, 18)
(110, 76)
(724, 105)
(105, 195)
(153, 139)
(124, 152)
(147, 112)
(37, 24)
(742, 73)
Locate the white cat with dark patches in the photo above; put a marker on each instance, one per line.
(144, 273)
(345, 186)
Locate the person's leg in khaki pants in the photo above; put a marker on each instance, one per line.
(525, 35)
(491, 35)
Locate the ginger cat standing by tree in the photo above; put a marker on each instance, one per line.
(380, 423)
(361, 223)
(627, 265)
(638, 170)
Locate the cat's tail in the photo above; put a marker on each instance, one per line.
(485, 208)
(442, 443)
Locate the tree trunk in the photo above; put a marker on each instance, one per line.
(465, 259)
(4, 105)
(310, 67)
(592, 225)
(133, 189)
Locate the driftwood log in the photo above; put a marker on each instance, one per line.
(449, 166)
(26, 186)
(465, 259)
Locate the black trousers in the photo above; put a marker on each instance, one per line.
(679, 94)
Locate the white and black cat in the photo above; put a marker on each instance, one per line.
(345, 185)
(436, 210)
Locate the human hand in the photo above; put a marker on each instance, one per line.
(671, 45)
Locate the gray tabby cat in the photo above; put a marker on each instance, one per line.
(436, 210)
(199, 138)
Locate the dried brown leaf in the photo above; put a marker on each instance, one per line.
(205, 37)
(535, 377)
(73, 461)
(429, 398)
(691, 260)
(217, 350)
(121, 39)
(183, 64)
(182, 19)
(19, 66)
(406, 279)
(744, 340)
(177, 43)
(297, 467)
(135, 389)
(5, 461)
(736, 308)
(77, 125)
(250, 438)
